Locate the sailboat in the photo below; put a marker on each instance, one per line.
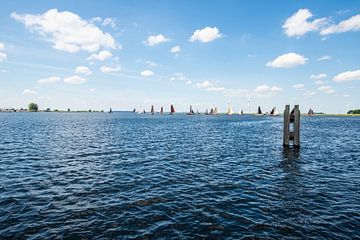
(191, 112)
(152, 111)
(110, 111)
(134, 110)
(141, 110)
(206, 112)
(230, 111)
(172, 110)
(274, 112)
(241, 112)
(259, 112)
(215, 112)
(311, 112)
(161, 110)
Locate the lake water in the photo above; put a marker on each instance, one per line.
(130, 176)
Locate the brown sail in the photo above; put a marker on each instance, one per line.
(172, 109)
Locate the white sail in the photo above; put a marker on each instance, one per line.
(230, 111)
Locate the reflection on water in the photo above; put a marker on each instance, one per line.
(101, 176)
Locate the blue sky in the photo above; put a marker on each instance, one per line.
(123, 54)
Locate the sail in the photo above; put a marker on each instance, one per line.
(172, 109)
(110, 111)
(230, 111)
(259, 110)
(161, 110)
(211, 111)
(272, 111)
(191, 112)
(206, 112)
(215, 111)
(241, 112)
(152, 112)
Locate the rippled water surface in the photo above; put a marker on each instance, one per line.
(129, 176)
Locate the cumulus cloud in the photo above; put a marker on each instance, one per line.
(29, 92)
(267, 89)
(147, 73)
(324, 58)
(52, 79)
(299, 86)
(3, 56)
(209, 86)
(83, 70)
(318, 76)
(298, 24)
(287, 60)
(74, 80)
(326, 89)
(67, 31)
(109, 69)
(205, 35)
(351, 24)
(175, 49)
(101, 56)
(319, 82)
(347, 76)
(155, 40)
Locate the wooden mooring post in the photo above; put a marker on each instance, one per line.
(292, 126)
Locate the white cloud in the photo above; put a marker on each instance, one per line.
(326, 89)
(318, 76)
(210, 87)
(267, 89)
(287, 60)
(52, 79)
(3, 56)
(205, 35)
(74, 80)
(346, 95)
(324, 58)
(109, 69)
(319, 82)
(299, 86)
(175, 49)
(110, 21)
(92, 90)
(156, 39)
(83, 70)
(180, 77)
(204, 84)
(351, 24)
(67, 31)
(298, 24)
(147, 73)
(309, 93)
(29, 92)
(101, 56)
(347, 76)
(2, 46)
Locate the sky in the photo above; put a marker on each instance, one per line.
(131, 54)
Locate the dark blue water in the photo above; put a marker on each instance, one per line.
(129, 176)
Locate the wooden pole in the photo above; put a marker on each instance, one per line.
(294, 119)
(296, 126)
(286, 136)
